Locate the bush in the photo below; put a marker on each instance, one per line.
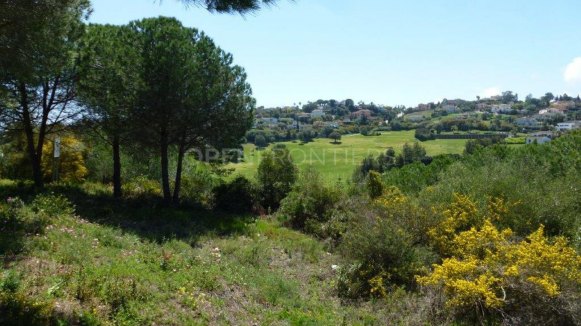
(141, 187)
(537, 181)
(17, 218)
(412, 153)
(260, 141)
(374, 184)
(384, 258)
(237, 196)
(310, 203)
(423, 134)
(276, 176)
(488, 269)
(52, 205)
(384, 162)
(198, 183)
(71, 162)
(16, 163)
(383, 247)
(474, 145)
(415, 177)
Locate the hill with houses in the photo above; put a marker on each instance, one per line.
(503, 115)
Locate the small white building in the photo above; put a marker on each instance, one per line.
(537, 140)
(318, 113)
(527, 123)
(569, 125)
(501, 108)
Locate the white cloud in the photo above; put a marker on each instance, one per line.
(491, 91)
(573, 71)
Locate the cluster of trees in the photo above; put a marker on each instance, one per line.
(264, 136)
(472, 145)
(172, 84)
(152, 83)
(389, 160)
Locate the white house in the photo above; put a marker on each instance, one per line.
(527, 123)
(318, 113)
(538, 140)
(547, 133)
(501, 108)
(450, 108)
(569, 125)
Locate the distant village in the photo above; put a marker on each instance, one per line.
(531, 120)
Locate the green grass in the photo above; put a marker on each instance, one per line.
(427, 114)
(338, 161)
(134, 263)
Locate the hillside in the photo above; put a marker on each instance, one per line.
(131, 263)
(419, 244)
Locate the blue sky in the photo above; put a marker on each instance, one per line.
(390, 52)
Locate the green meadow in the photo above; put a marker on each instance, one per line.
(337, 161)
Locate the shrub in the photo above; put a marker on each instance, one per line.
(71, 165)
(276, 175)
(52, 205)
(310, 203)
(368, 164)
(474, 145)
(412, 153)
(488, 273)
(19, 309)
(383, 250)
(140, 187)
(236, 196)
(374, 184)
(10, 281)
(17, 218)
(198, 183)
(537, 181)
(423, 134)
(384, 257)
(16, 162)
(260, 141)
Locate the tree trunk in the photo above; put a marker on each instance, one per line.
(29, 131)
(116, 167)
(165, 167)
(178, 181)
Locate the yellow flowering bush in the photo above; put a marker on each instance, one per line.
(71, 163)
(391, 196)
(377, 285)
(486, 268)
(456, 216)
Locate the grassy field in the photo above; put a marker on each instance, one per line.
(427, 114)
(338, 161)
(130, 262)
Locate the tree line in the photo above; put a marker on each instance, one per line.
(152, 84)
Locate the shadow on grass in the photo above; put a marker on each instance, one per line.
(145, 217)
(12, 231)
